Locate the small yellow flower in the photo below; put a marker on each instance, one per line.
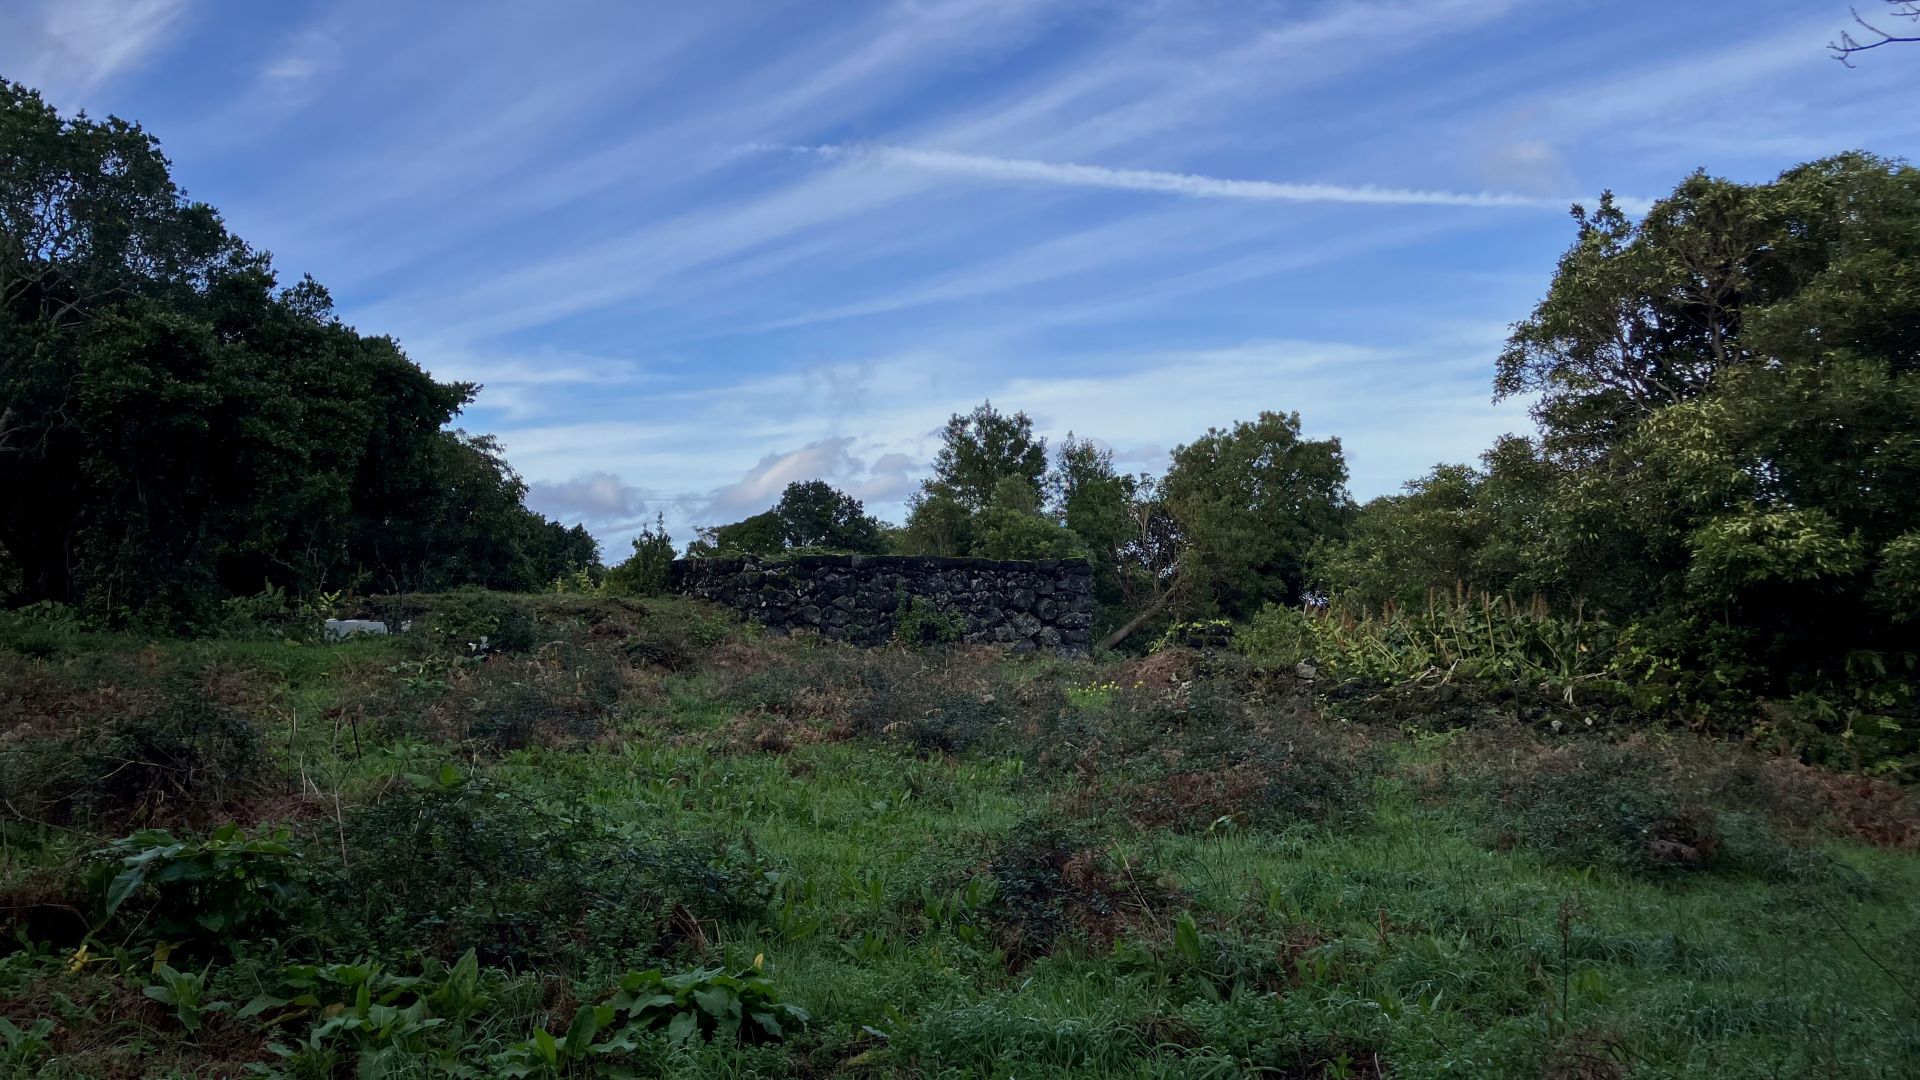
(759, 961)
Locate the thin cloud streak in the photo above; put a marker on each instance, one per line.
(70, 48)
(985, 167)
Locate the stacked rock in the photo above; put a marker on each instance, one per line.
(1026, 605)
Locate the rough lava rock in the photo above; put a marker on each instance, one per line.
(1044, 605)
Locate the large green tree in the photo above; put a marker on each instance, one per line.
(1728, 397)
(811, 514)
(1091, 499)
(815, 514)
(979, 448)
(980, 452)
(176, 427)
(1012, 526)
(1746, 349)
(1456, 528)
(1252, 500)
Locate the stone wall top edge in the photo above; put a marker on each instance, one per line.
(734, 563)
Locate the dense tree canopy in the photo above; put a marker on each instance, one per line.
(984, 497)
(1228, 529)
(1252, 500)
(177, 427)
(979, 449)
(811, 515)
(1093, 501)
(1729, 409)
(818, 515)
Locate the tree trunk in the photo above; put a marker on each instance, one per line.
(1148, 612)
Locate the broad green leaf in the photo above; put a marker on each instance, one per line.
(124, 884)
(546, 1046)
(586, 1024)
(682, 1028)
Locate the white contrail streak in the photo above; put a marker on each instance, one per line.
(1167, 183)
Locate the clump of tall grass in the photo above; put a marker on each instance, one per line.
(1463, 635)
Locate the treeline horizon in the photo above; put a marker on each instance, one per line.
(1723, 472)
(1723, 464)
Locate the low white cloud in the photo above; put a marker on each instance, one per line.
(890, 479)
(1151, 455)
(1519, 157)
(291, 68)
(595, 499)
(886, 480)
(763, 483)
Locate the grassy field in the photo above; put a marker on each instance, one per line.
(641, 839)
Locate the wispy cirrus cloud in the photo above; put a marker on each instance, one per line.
(75, 46)
(1131, 220)
(1069, 174)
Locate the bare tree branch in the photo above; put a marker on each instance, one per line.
(1847, 45)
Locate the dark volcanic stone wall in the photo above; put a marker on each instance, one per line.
(1044, 604)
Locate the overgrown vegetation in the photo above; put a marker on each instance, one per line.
(1586, 762)
(783, 856)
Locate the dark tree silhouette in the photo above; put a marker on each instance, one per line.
(1873, 36)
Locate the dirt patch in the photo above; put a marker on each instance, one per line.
(1163, 670)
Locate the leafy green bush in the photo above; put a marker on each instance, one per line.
(450, 864)
(710, 1003)
(219, 889)
(272, 613)
(1481, 637)
(644, 572)
(43, 629)
(383, 1023)
(20, 1046)
(476, 622)
(1589, 802)
(957, 701)
(361, 1012)
(1595, 804)
(1049, 883)
(560, 696)
(185, 992)
(1280, 634)
(1224, 744)
(677, 635)
(931, 711)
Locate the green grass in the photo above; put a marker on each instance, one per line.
(1409, 938)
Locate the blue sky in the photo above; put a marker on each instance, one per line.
(695, 251)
